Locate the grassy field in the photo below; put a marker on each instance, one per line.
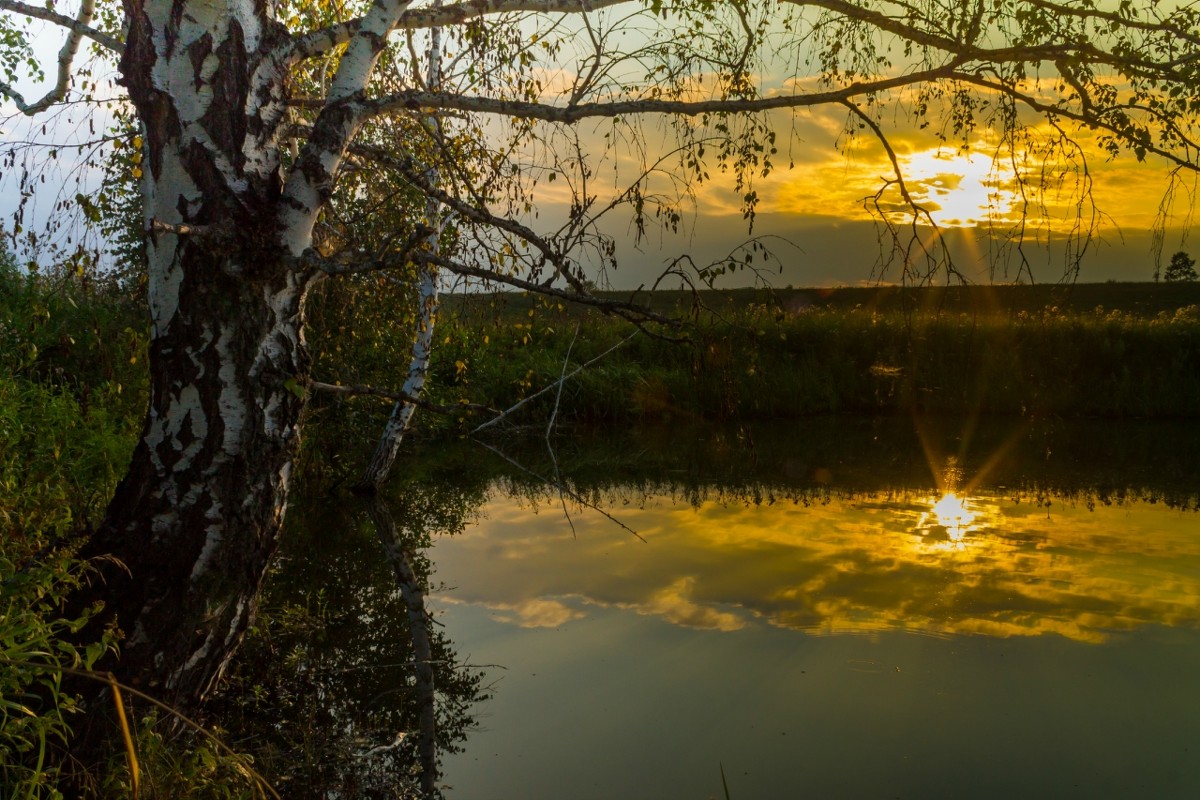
(1100, 350)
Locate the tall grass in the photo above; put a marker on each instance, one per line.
(72, 392)
(66, 431)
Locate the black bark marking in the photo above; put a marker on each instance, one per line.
(225, 118)
(154, 109)
(197, 52)
(328, 137)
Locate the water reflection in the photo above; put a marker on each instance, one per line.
(419, 628)
(347, 688)
(1053, 613)
(984, 564)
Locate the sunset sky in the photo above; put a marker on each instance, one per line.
(815, 196)
(813, 201)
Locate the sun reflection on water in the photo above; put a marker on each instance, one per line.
(949, 520)
(954, 515)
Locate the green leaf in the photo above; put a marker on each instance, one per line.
(293, 386)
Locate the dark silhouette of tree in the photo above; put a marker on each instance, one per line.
(1181, 268)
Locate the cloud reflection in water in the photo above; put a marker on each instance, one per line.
(983, 564)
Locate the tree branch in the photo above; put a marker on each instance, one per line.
(402, 255)
(66, 58)
(918, 211)
(475, 213)
(416, 100)
(508, 412)
(631, 312)
(1090, 120)
(319, 42)
(79, 26)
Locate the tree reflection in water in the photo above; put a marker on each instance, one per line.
(345, 689)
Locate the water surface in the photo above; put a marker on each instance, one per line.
(918, 614)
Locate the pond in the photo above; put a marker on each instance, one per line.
(829, 608)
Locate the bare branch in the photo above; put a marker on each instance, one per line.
(918, 212)
(158, 226)
(508, 412)
(627, 311)
(562, 377)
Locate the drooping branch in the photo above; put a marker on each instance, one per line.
(936, 39)
(66, 60)
(631, 312)
(918, 212)
(474, 213)
(1185, 161)
(1091, 12)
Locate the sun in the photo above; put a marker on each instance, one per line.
(960, 189)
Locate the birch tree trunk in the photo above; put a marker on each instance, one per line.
(189, 533)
